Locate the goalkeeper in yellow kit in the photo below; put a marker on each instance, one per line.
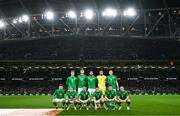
(101, 82)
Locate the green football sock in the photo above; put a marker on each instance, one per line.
(128, 103)
(55, 104)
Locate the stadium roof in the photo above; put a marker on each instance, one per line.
(9, 8)
(125, 18)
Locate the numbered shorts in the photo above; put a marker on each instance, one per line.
(58, 100)
(91, 91)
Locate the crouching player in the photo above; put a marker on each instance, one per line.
(110, 96)
(58, 96)
(123, 97)
(71, 98)
(97, 98)
(84, 98)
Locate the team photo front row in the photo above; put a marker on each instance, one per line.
(101, 92)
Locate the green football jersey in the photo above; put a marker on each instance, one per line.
(81, 80)
(111, 80)
(110, 94)
(84, 95)
(71, 95)
(122, 94)
(97, 95)
(91, 81)
(59, 93)
(71, 82)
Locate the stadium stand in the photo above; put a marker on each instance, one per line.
(90, 48)
(48, 87)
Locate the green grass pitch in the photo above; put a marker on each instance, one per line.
(141, 105)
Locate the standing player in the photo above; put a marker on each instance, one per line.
(101, 82)
(59, 96)
(123, 97)
(81, 80)
(71, 98)
(91, 82)
(112, 80)
(97, 98)
(110, 98)
(71, 81)
(84, 98)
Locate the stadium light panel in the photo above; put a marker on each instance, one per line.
(130, 12)
(49, 15)
(25, 18)
(2, 24)
(72, 14)
(109, 12)
(20, 20)
(88, 14)
(15, 21)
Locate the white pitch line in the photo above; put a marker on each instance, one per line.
(25, 112)
(5, 112)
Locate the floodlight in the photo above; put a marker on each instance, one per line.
(88, 14)
(14, 21)
(2, 24)
(72, 14)
(20, 20)
(25, 18)
(49, 15)
(130, 12)
(110, 12)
